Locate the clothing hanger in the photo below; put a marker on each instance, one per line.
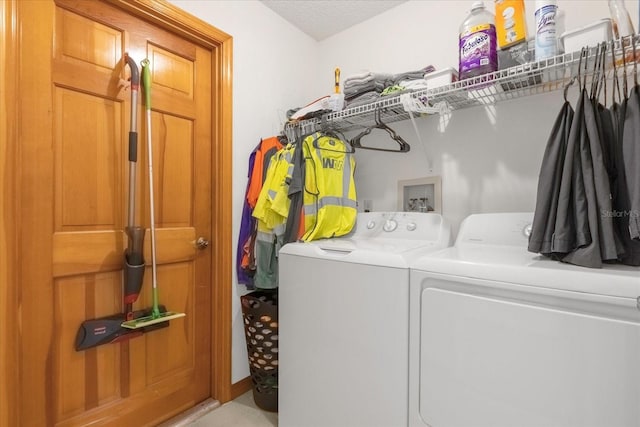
(635, 62)
(598, 79)
(575, 78)
(603, 74)
(322, 129)
(616, 81)
(624, 72)
(585, 71)
(348, 147)
(328, 130)
(566, 87)
(403, 145)
(594, 72)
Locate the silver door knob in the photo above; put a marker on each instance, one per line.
(201, 243)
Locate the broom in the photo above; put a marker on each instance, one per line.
(156, 316)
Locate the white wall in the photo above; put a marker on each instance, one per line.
(273, 63)
(488, 158)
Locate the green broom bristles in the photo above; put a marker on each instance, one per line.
(150, 320)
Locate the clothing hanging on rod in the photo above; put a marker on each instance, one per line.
(330, 204)
(579, 187)
(245, 254)
(270, 212)
(629, 165)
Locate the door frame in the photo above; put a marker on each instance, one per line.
(171, 18)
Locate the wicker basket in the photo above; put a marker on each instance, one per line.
(260, 313)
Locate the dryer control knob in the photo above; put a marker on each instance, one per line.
(371, 224)
(390, 225)
(411, 226)
(527, 230)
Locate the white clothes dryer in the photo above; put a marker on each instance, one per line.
(501, 337)
(344, 322)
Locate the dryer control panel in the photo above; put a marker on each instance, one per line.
(509, 229)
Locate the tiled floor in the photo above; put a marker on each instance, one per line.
(241, 412)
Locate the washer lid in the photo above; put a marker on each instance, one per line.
(390, 239)
(494, 247)
(378, 252)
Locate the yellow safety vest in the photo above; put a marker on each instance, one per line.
(271, 211)
(330, 192)
(272, 207)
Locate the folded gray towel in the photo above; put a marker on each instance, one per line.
(362, 76)
(382, 77)
(364, 98)
(353, 91)
(413, 75)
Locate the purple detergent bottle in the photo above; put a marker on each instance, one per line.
(477, 44)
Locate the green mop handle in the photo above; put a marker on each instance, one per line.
(146, 83)
(146, 86)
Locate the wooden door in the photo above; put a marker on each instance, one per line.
(74, 108)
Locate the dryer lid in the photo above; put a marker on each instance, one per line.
(494, 247)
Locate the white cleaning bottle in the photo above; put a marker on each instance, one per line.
(622, 25)
(546, 38)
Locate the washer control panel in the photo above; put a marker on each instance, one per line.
(390, 225)
(399, 225)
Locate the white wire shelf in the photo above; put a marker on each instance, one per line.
(516, 82)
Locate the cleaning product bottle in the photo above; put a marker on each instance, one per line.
(622, 25)
(560, 28)
(546, 37)
(336, 99)
(477, 44)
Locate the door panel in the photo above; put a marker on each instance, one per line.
(88, 169)
(76, 195)
(90, 379)
(172, 161)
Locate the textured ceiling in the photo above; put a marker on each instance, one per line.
(323, 18)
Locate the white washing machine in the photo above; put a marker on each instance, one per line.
(501, 337)
(344, 322)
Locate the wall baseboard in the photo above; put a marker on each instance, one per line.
(241, 387)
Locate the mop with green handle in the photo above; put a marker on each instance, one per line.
(156, 315)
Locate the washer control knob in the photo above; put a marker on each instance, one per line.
(371, 224)
(527, 230)
(390, 225)
(411, 226)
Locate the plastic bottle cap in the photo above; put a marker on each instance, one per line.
(477, 5)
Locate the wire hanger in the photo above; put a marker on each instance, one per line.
(403, 145)
(603, 73)
(625, 87)
(327, 129)
(585, 71)
(348, 148)
(635, 63)
(575, 78)
(566, 87)
(596, 75)
(616, 82)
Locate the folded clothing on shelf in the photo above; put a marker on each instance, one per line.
(354, 86)
(365, 82)
(413, 75)
(418, 84)
(363, 98)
